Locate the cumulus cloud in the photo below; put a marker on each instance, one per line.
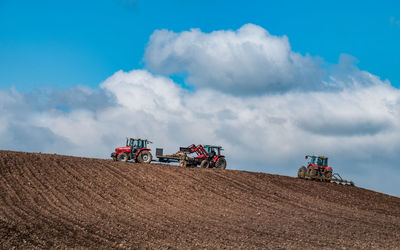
(247, 61)
(357, 125)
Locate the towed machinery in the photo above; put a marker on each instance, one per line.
(318, 169)
(136, 150)
(207, 156)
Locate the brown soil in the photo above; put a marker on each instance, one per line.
(50, 201)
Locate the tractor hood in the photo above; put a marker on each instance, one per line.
(122, 149)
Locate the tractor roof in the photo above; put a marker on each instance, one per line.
(140, 139)
(318, 156)
(212, 146)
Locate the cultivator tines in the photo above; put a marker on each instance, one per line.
(338, 179)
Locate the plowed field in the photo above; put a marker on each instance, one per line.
(50, 201)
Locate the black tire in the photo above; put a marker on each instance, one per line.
(220, 163)
(122, 157)
(301, 174)
(205, 164)
(144, 157)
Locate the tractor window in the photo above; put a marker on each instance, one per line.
(137, 143)
(140, 144)
(319, 161)
(215, 149)
(313, 160)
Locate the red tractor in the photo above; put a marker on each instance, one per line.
(318, 169)
(136, 150)
(317, 166)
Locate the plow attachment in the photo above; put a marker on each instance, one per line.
(336, 178)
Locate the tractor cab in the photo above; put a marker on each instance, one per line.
(320, 161)
(136, 143)
(213, 149)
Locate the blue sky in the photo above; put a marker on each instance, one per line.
(270, 81)
(65, 43)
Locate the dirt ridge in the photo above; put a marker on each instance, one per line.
(50, 201)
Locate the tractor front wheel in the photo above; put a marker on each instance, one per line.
(302, 173)
(220, 163)
(122, 157)
(144, 157)
(205, 164)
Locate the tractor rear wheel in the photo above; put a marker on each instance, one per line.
(302, 172)
(205, 164)
(144, 157)
(220, 163)
(122, 157)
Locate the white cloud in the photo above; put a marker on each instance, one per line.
(247, 61)
(357, 125)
